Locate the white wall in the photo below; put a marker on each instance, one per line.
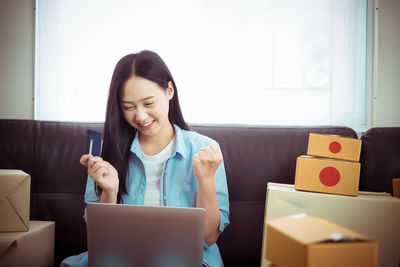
(16, 59)
(17, 62)
(386, 96)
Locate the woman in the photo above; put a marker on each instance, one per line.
(149, 155)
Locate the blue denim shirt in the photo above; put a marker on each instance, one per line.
(178, 186)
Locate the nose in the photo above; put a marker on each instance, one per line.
(140, 115)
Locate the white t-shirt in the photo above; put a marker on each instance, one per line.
(153, 167)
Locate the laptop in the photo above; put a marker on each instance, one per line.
(131, 235)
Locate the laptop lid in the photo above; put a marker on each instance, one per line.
(131, 235)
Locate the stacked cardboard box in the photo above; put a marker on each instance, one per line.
(331, 165)
(372, 214)
(306, 241)
(396, 187)
(326, 186)
(14, 200)
(22, 242)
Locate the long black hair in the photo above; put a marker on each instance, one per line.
(118, 133)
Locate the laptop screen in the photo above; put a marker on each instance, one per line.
(131, 235)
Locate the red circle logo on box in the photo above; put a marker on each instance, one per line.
(335, 147)
(329, 176)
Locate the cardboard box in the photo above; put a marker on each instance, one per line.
(327, 175)
(396, 187)
(32, 248)
(375, 215)
(307, 241)
(14, 200)
(336, 147)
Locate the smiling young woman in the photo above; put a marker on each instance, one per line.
(150, 157)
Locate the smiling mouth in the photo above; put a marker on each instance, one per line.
(146, 125)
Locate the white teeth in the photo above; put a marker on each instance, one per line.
(146, 124)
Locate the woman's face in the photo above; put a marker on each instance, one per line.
(145, 105)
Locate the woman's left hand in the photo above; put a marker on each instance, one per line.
(206, 162)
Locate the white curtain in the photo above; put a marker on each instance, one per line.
(272, 62)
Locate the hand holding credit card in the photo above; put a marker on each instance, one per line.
(93, 143)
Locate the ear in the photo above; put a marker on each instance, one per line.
(170, 90)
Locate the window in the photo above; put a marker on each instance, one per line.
(272, 62)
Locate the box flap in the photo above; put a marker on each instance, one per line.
(20, 200)
(9, 182)
(310, 230)
(290, 188)
(5, 243)
(327, 159)
(14, 200)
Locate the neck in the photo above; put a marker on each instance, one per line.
(152, 145)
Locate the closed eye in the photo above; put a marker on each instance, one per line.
(148, 104)
(127, 107)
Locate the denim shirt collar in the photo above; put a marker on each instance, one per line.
(180, 148)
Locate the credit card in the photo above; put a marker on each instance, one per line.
(93, 143)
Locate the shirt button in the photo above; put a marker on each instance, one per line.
(165, 197)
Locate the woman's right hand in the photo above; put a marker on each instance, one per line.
(103, 174)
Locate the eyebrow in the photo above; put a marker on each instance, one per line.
(144, 99)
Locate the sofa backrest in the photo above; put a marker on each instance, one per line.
(253, 156)
(380, 157)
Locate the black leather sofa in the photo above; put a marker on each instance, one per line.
(253, 156)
